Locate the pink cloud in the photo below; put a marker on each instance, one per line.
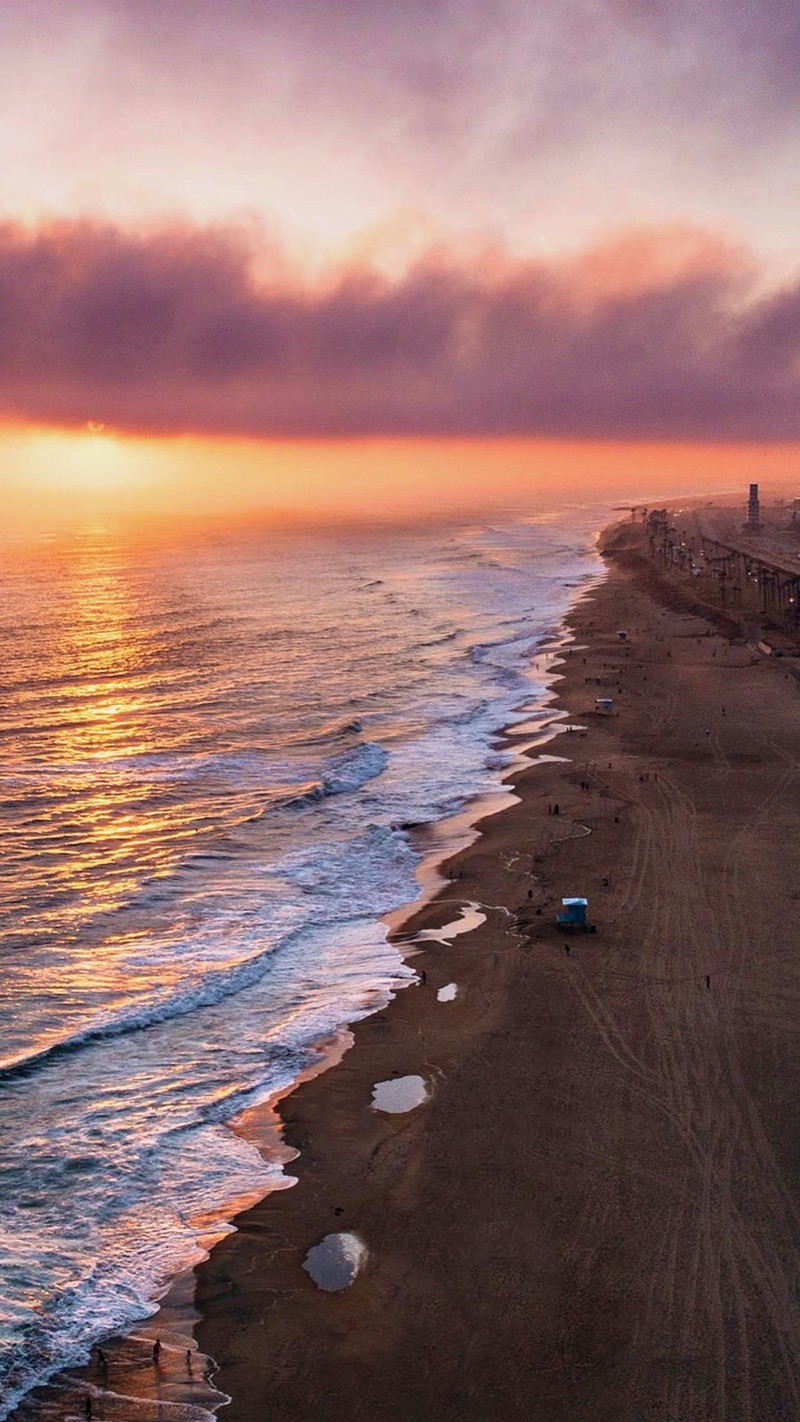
(660, 335)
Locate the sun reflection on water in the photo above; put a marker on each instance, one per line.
(81, 717)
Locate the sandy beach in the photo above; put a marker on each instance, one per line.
(595, 1213)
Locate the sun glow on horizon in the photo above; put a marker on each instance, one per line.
(55, 479)
(93, 459)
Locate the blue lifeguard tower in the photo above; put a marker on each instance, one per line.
(573, 915)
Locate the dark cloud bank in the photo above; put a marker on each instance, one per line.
(174, 332)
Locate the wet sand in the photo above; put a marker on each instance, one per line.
(594, 1215)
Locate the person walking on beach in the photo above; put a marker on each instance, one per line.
(423, 977)
(708, 980)
(156, 1351)
(87, 1406)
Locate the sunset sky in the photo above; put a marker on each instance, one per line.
(353, 255)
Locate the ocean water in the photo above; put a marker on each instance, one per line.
(211, 754)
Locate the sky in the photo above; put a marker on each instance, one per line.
(367, 255)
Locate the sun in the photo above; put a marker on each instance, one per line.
(96, 460)
(94, 463)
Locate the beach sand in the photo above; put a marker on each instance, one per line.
(594, 1215)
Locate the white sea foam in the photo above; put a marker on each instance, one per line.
(210, 758)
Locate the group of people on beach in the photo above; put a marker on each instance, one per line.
(103, 1367)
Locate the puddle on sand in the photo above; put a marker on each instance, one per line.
(403, 1093)
(334, 1263)
(447, 993)
(471, 917)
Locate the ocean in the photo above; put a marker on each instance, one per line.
(216, 752)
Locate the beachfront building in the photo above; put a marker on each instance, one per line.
(753, 510)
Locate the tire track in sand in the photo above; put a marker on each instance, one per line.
(716, 1293)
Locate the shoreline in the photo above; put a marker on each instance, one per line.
(175, 1312)
(436, 901)
(491, 1262)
